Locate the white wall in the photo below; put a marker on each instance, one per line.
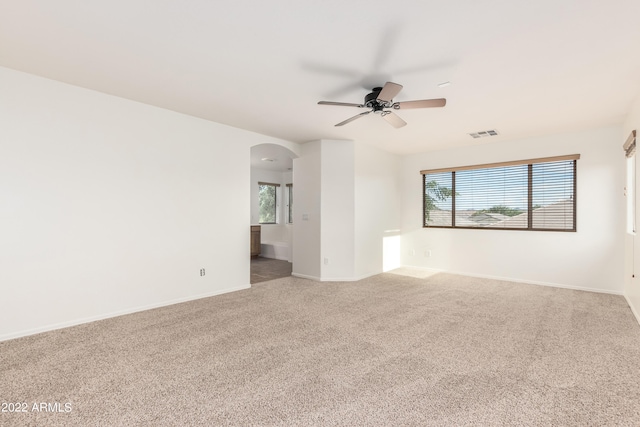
(350, 193)
(110, 206)
(377, 210)
(591, 258)
(632, 252)
(306, 214)
(337, 210)
(323, 195)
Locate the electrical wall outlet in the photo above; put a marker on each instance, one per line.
(326, 261)
(202, 272)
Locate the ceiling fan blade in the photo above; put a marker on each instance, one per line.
(342, 104)
(353, 118)
(394, 120)
(425, 103)
(389, 91)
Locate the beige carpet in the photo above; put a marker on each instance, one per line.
(391, 350)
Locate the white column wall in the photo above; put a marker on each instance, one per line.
(307, 214)
(337, 210)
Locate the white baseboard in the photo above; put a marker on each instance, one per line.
(633, 309)
(334, 279)
(76, 322)
(305, 276)
(354, 279)
(528, 282)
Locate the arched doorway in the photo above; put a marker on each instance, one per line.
(271, 212)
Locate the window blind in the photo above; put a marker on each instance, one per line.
(537, 194)
(630, 144)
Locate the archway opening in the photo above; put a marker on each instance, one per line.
(272, 205)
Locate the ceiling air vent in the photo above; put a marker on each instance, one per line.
(484, 133)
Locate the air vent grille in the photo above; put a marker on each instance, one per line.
(484, 133)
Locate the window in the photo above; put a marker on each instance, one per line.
(290, 203)
(268, 202)
(630, 193)
(537, 194)
(630, 189)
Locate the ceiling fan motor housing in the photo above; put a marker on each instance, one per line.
(371, 100)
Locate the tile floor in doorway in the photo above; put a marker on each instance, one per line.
(263, 269)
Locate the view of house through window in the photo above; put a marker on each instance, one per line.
(534, 194)
(268, 202)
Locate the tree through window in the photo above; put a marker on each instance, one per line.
(268, 202)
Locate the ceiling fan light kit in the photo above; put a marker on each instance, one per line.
(380, 101)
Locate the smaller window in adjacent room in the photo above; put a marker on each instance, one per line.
(630, 187)
(536, 194)
(268, 202)
(290, 203)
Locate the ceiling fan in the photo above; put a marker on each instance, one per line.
(380, 100)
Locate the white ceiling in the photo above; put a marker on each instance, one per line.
(521, 67)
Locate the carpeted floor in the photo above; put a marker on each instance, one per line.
(394, 350)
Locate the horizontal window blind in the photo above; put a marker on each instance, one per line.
(491, 196)
(630, 144)
(553, 198)
(533, 195)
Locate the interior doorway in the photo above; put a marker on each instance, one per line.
(272, 205)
